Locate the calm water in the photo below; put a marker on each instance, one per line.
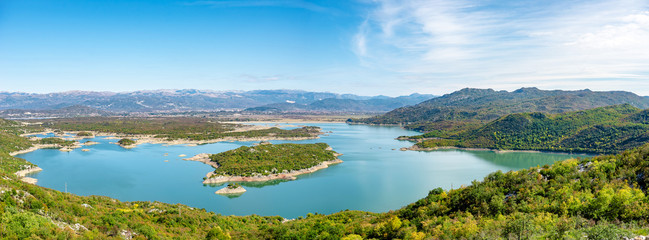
(375, 175)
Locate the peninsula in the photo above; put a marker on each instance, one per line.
(174, 131)
(267, 162)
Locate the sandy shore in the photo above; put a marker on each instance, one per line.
(287, 121)
(90, 143)
(127, 146)
(142, 139)
(22, 173)
(212, 179)
(34, 148)
(227, 190)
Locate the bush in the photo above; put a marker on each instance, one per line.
(126, 142)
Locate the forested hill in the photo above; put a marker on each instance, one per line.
(608, 129)
(487, 104)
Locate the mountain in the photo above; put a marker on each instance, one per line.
(608, 129)
(487, 104)
(375, 104)
(174, 100)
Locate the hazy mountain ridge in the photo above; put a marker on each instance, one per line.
(374, 104)
(167, 100)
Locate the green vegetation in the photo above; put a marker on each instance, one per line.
(304, 132)
(271, 158)
(126, 142)
(601, 130)
(84, 134)
(56, 140)
(483, 105)
(144, 126)
(233, 185)
(603, 197)
(173, 128)
(443, 128)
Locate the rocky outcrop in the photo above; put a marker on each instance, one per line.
(229, 190)
(204, 158)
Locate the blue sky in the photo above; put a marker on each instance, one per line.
(361, 47)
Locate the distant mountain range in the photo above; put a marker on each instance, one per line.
(102, 103)
(486, 104)
(374, 104)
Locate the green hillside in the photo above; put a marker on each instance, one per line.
(484, 105)
(601, 130)
(596, 198)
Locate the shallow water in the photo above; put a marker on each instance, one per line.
(375, 176)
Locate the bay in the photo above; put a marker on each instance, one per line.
(374, 176)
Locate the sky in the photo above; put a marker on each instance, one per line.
(365, 47)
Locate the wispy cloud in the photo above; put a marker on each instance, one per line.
(554, 44)
(263, 3)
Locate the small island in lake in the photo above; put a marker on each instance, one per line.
(126, 143)
(267, 162)
(84, 134)
(231, 188)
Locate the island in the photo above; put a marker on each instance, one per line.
(267, 162)
(126, 143)
(231, 188)
(84, 134)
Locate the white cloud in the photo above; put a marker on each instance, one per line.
(454, 43)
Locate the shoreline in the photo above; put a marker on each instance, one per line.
(226, 190)
(35, 147)
(204, 158)
(142, 139)
(285, 121)
(22, 174)
(292, 175)
(153, 140)
(416, 148)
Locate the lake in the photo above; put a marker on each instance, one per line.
(375, 176)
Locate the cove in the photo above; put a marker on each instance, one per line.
(374, 176)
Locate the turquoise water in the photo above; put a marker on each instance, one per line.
(373, 176)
